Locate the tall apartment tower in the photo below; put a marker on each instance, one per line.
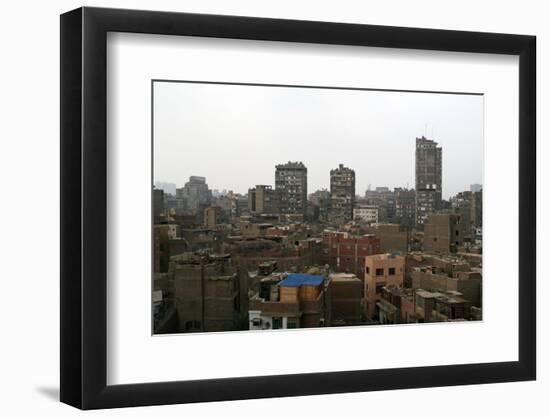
(291, 182)
(428, 175)
(342, 194)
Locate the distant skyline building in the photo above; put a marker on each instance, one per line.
(342, 194)
(158, 204)
(194, 193)
(475, 188)
(167, 187)
(291, 182)
(428, 178)
(365, 213)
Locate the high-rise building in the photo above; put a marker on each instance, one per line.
(195, 194)
(342, 194)
(291, 182)
(428, 175)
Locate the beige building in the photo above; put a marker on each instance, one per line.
(393, 237)
(212, 216)
(381, 270)
(442, 233)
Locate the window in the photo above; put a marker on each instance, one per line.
(277, 323)
(391, 271)
(379, 271)
(368, 270)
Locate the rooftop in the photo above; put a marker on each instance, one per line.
(384, 256)
(342, 276)
(297, 280)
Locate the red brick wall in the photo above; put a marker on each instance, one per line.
(347, 254)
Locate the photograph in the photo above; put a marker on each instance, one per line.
(296, 206)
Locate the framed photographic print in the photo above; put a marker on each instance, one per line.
(258, 207)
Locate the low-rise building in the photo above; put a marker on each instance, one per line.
(344, 300)
(442, 233)
(393, 237)
(437, 306)
(381, 270)
(346, 253)
(207, 293)
(296, 301)
(467, 283)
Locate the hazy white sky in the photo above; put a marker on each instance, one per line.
(234, 135)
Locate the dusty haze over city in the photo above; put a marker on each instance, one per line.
(234, 135)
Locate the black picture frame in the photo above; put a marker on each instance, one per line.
(84, 207)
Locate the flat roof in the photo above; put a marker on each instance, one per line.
(343, 276)
(297, 280)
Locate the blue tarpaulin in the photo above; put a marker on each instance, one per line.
(297, 280)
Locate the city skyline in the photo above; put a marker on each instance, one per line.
(282, 254)
(184, 111)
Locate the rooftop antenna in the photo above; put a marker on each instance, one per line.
(425, 130)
